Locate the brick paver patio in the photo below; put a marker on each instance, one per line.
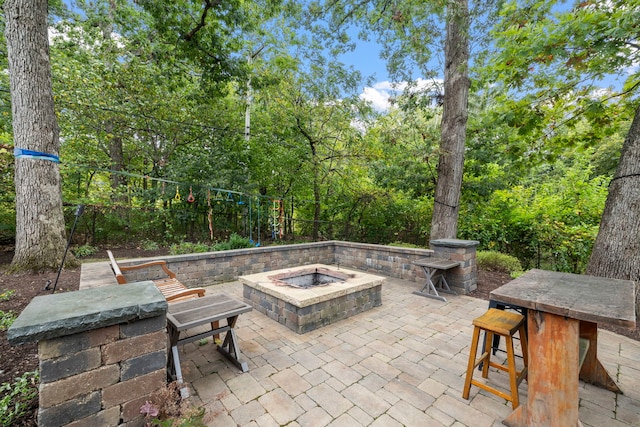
(400, 364)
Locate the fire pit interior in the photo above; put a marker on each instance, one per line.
(309, 297)
(309, 277)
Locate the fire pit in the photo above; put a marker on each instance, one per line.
(309, 297)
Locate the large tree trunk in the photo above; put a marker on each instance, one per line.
(444, 222)
(40, 233)
(616, 252)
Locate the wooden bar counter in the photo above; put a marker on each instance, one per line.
(563, 308)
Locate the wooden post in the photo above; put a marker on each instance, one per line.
(552, 399)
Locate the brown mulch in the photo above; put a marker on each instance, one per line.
(15, 360)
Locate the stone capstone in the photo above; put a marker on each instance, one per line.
(57, 315)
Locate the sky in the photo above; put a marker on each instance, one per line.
(366, 58)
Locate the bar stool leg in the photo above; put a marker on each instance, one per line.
(472, 361)
(487, 351)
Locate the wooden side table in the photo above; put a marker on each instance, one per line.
(203, 311)
(435, 269)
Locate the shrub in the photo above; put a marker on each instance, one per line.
(406, 245)
(496, 261)
(149, 245)
(5, 295)
(188, 248)
(6, 319)
(235, 242)
(17, 398)
(165, 408)
(85, 250)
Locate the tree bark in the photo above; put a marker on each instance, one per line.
(616, 252)
(444, 221)
(40, 233)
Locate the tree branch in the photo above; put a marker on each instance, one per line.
(208, 4)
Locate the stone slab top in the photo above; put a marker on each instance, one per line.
(454, 243)
(299, 297)
(57, 315)
(438, 263)
(577, 296)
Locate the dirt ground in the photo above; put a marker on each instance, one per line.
(16, 360)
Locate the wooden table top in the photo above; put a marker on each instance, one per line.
(589, 298)
(198, 311)
(439, 263)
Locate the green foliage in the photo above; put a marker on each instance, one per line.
(550, 222)
(188, 248)
(235, 242)
(85, 251)
(5, 295)
(149, 245)
(17, 398)
(545, 75)
(406, 245)
(6, 319)
(496, 261)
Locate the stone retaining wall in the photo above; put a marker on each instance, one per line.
(206, 269)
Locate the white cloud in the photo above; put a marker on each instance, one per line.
(380, 93)
(379, 98)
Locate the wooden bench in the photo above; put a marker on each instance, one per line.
(172, 289)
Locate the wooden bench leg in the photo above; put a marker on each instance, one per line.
(592, 370)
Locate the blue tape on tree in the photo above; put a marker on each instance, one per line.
(21, 153)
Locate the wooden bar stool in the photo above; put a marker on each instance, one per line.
(505, 324)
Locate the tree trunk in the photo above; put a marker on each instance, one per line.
(444, 222)
(315, 235)
(40, 233)
(616, 253)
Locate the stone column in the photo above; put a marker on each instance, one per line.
(102, 352)
(465, 278)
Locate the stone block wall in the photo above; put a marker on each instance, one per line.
(391, 261)
(101, 353)
(198, 270)
(206, 269)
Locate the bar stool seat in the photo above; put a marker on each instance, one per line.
(505, 324)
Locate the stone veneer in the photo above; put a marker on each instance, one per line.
(305, 309)
(102, 353)
(314, 316)
(465, 278)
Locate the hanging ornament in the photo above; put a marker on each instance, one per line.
(190, 197)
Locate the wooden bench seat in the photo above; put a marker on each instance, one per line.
(172, 289)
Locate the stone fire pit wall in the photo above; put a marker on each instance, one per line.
(102, 353)
(205, 269)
